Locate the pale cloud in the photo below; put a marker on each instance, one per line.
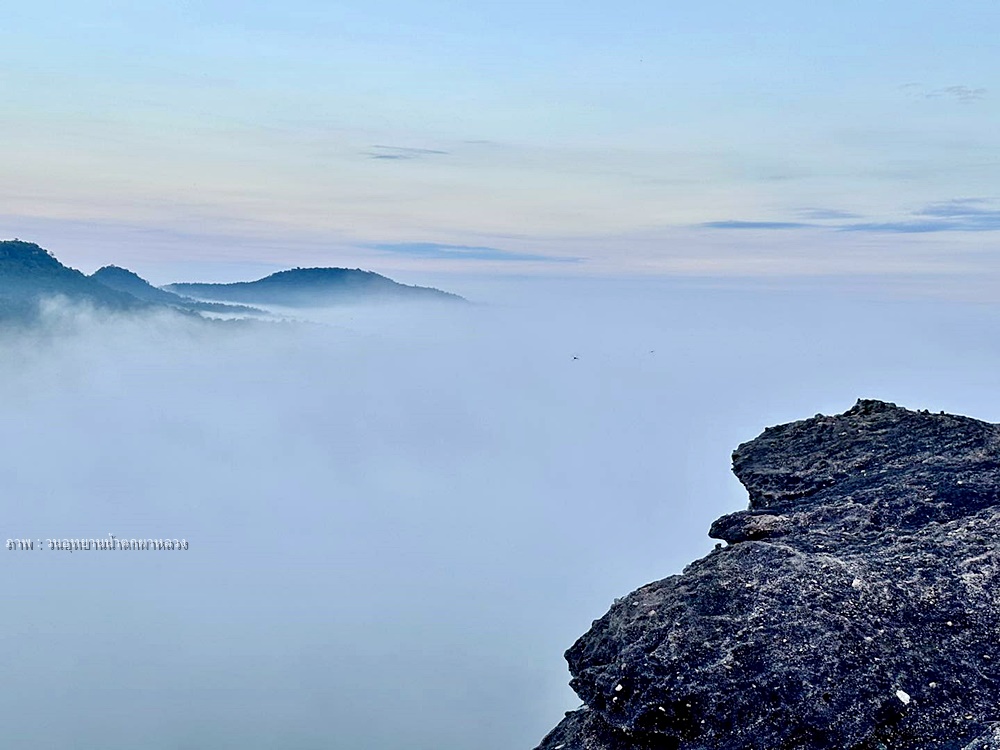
(958, 92)
(735, 224)
(467, 252)
(955, 215)
(402, 152)
(826, 214)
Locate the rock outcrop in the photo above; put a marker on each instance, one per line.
(854, 606)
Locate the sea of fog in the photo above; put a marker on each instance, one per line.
(399, 518)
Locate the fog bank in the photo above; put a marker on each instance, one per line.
(399, 517)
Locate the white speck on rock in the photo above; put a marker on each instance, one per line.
(856, 583)
(903, 696)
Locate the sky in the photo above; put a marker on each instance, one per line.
(678, 223)
(217, 139)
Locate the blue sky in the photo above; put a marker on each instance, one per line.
(627, 138)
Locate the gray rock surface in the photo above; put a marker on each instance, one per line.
(854, 606)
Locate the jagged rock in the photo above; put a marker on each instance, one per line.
(855, 606)
(989, 741)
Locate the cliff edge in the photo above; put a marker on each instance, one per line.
(854, 605)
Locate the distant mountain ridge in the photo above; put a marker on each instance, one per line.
(30, 274)
(313, 287)
(132, 283)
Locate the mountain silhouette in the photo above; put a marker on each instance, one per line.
(124, 280)
(29, 274)
(314, 287)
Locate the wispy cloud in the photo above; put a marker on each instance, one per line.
(826, 214)
(907, 227)
(960, 93)
(402, 152)
(756, 225)
(956, 215)
(466, 252)
(963, 93)
(962, 208)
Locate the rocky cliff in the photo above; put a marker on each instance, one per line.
(853, 606)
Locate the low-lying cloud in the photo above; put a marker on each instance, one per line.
(398, 518)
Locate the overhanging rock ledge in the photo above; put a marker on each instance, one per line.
(855, 605)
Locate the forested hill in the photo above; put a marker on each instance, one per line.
(313, 287)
